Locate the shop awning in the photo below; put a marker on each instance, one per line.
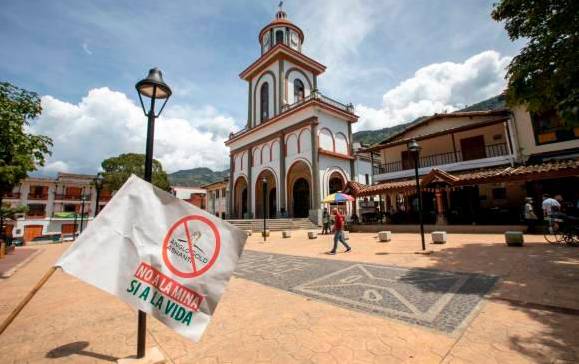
(438, 177)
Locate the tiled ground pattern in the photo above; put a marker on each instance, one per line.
(431, 298)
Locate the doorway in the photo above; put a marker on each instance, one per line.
(32, 231)
(301, 198)
(473, 148)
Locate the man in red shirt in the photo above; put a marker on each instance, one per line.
(339, 232)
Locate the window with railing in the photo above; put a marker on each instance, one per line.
(549, 127)
(490, 151)
(36, 210)
(38, 193)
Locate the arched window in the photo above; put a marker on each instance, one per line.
(299, 92)
(279, 36)
(264, 99)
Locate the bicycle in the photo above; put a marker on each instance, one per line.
(562, 231)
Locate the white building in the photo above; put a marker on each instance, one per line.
(216, 198)
(51, 202)
(193, 195)
(297, 140)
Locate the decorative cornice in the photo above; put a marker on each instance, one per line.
(335, 155)
(278, 52)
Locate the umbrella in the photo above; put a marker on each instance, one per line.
(337, 197)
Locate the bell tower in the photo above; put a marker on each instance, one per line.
(282, 75)
(281, 31)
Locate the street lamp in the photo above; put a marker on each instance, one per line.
(98, 185)
(154, 88)
(82, 199)
(264, 185)
(414, 149)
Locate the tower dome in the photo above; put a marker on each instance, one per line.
(281, 30)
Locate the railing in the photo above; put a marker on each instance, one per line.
(60, 196)
(105, 198)
(11, 195)
(491, 151)
(38, 196)
(36, 214)
(314, 95)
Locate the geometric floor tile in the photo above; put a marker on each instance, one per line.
(435, 299)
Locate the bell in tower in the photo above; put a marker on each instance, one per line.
(281, 31)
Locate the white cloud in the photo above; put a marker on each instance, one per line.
(336, 31)
(106, 123)
(439, 87)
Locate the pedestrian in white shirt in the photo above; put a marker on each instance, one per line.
(550, 206)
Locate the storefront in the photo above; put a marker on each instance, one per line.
(490, 196)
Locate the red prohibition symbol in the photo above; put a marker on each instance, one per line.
(184, 222)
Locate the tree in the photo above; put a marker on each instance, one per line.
(118, 169)
(545, 75)
(20, 152)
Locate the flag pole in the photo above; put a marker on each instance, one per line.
(26, 299)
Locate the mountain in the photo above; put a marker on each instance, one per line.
(196, 177)
(375, 136)
(496, 102)
(369, 137)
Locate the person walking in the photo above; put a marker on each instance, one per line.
(325, 222)
(529, 215)
(339, 232)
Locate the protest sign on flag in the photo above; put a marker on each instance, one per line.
(159, 254)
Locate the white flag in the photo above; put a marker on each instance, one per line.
(159, 254)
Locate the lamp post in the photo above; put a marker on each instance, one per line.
(264, 186)
(414, 149)
(98, 185)
(75, 221)
(82, 200)
(152, 87)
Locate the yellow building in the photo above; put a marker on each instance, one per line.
(475, 167)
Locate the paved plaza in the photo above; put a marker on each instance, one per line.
(473, 300)
(430, 298)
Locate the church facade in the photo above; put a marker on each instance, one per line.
(297, 145)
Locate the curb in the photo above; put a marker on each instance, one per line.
(11, 272)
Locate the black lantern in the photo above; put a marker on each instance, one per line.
(83, 199)
(414, 149)
(98, 185)
(152, 87)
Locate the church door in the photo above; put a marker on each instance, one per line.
(301, 198)
(243, 203)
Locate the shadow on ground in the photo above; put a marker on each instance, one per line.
(77, 348)
(537, 281)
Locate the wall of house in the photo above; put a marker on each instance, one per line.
(436, 125)
(526, 136)
(443, 143)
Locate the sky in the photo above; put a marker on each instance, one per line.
(394, 60)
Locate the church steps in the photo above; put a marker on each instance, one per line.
(274, 224)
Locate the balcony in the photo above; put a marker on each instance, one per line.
(105, 198)
(11, 196)
(65, 197)
(36, 214)
(436, 160)
(36, 196)
(316, 95)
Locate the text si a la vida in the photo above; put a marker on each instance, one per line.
(160, 303)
